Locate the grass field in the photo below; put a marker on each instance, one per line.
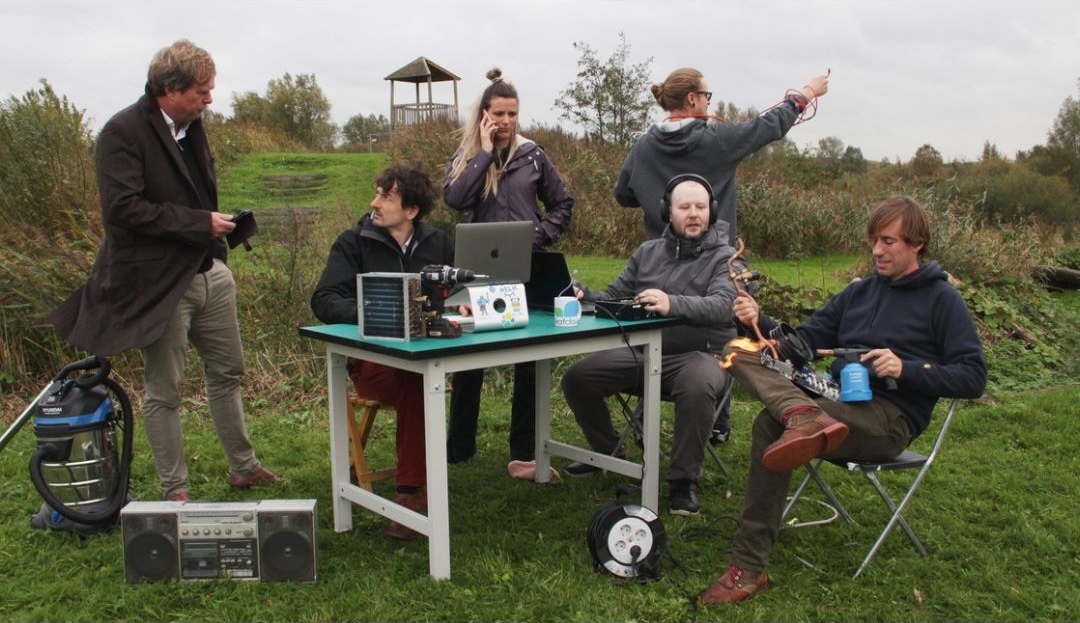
(279, 180)
(829, 273)
(998, 514)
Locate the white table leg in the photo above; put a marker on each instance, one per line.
(543, 420)
(650, 481)
(339, 438)
(437, 488)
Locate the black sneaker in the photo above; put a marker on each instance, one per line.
(577, 469)
(682, 498)
(720, 434)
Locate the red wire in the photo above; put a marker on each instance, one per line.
(810, 105)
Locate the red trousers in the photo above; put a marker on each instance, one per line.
(405, 391)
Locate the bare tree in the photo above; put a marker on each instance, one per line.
(611, 100)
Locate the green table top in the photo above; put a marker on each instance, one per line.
(540, 330)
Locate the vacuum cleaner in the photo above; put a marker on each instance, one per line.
(82, 464)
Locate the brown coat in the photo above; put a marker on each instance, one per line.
(156, 233)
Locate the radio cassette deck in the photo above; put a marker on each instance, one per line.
(272, 540)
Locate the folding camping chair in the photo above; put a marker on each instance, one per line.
(633, 415)
(907, 459)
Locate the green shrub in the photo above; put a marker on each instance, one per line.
(779, 221)
(432, 144)
(975, 251)
(50, 225)
(600, 226)
(1069, 256)
(233, 140)
(46, 166)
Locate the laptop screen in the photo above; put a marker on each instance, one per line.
(550, 278)
(503, 251)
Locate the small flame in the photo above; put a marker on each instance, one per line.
(744, 344)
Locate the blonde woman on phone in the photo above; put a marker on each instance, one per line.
(499, 175)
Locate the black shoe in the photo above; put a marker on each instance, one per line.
(577, 469)
(682, 498)
(458, 456)
(720, 434)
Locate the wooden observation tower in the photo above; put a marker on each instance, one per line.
(421, 72)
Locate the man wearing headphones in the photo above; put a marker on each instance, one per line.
(682, 273)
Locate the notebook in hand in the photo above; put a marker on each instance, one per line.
(246, 227)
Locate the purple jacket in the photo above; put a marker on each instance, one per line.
(529, 176)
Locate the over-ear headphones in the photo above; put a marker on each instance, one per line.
(665, 202)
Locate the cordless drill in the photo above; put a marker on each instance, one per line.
(436, 280)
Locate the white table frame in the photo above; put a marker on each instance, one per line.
(436, 525)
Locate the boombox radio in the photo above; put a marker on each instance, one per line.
(272, 540)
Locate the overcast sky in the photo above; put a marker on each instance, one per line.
(951, 73)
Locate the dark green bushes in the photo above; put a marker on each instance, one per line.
(50, 224)
(1069, 256)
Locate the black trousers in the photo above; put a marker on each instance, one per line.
(465, 413)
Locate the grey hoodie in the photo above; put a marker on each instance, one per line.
(711, 150)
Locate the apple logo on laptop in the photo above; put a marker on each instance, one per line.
(495, 253)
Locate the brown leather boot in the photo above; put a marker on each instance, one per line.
(803, 440)
(260, 476)
(414, 502)
(734, 586)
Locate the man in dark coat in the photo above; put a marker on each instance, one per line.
(160, 277)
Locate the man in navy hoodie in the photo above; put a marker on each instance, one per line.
(923, 342)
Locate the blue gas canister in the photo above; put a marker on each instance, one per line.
(855, 383)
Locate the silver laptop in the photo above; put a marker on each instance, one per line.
(502, 251)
